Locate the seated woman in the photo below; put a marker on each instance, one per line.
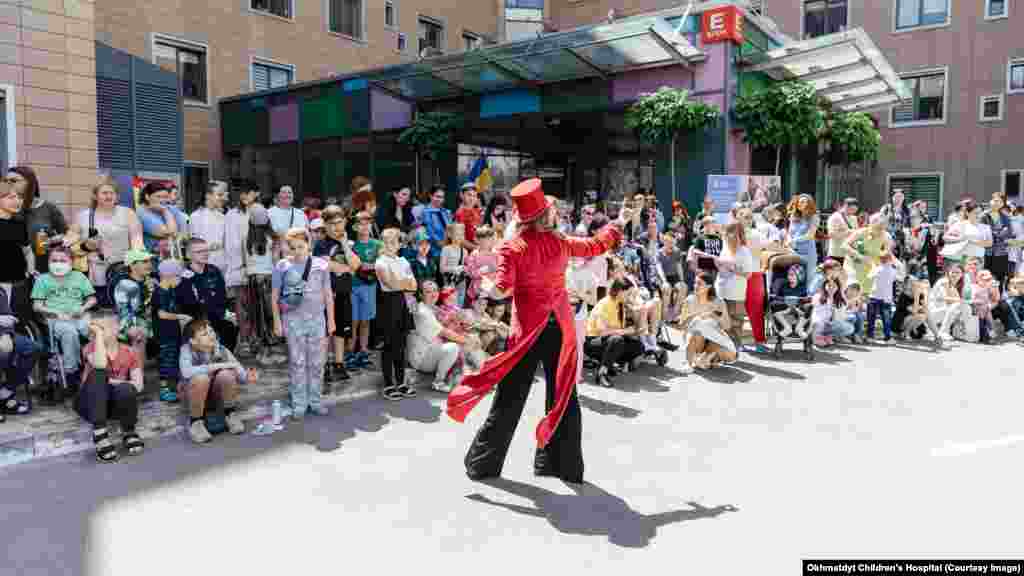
(705, 320)
(111, 381)
(947, 303)
(432, 347)
(607, 337)
(641, 305)
(17, 356)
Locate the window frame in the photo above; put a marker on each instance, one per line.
(400, 38)
(394, 14)
(420, 18)
(291, 10)
(188, 45)
(1004, 15)
(270, 63)
(981, 107)
(183, 191)
(1009, 75)
(9, 99)
(466, 35)
(1002, 179)
(803, 15)
(945, 98)
(364, 39)
(896, 18)
(889, 176)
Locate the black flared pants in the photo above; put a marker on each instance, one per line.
(562, 457)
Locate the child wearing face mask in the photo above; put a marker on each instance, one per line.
(64, 296)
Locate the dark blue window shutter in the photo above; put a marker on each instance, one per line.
(114, 117)
(157, 129)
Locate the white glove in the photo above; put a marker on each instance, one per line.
(6, 344)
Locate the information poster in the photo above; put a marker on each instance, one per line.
(725, 190)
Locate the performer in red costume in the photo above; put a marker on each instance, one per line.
(532, 271)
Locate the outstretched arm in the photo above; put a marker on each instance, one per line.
(605, 239)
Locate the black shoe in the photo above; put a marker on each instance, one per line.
(663, 358)
(477, 476)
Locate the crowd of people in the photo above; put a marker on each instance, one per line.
(320, 289)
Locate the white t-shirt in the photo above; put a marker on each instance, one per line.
(974, 232)
(883, 278)
(282, 219)
(731, 286)
(210, 226)
(396, 266)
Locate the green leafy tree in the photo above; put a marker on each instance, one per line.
(659, 117)
(851, 138)
(432, 133)
(788, 113)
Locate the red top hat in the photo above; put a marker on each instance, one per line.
(529, 198)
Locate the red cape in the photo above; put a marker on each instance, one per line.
(532, 266)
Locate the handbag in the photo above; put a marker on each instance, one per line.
(292, 296)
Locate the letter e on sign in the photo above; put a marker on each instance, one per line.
(721, 24)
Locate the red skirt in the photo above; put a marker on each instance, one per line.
(755, 305)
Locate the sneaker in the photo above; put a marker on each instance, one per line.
(407, 391)
(235, 424)
(663, 358)
(199, 433)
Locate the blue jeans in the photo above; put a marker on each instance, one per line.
(1016, 316)
(878, 307)
(69, 334)
(18, 364)
(836, 329)
(856, 319)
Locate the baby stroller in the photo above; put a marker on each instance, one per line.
(776, 266)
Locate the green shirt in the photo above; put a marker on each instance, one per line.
(367, 252)
(63, 296)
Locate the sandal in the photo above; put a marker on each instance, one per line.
(12, 407)
(407, 391)
(392, 393)
(133, 445)
(106, 452)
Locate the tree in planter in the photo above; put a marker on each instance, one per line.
(659, 117)
(786, 114)
(851, 138)
(431, 134)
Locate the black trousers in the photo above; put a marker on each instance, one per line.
(999, 266)
(98, 402)
(391, 313)
(563, 456)
(612, 349)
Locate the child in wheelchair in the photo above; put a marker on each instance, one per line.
(789, 306)
(63, 297)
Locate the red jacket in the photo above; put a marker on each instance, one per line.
(532, 266)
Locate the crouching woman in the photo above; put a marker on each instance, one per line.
(706, 321)
(433, 348)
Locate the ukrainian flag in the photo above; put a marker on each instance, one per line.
(480, 174)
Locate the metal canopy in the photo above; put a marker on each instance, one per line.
(845, 67)
(595, 51)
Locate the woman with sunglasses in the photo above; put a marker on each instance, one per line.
(43, 218)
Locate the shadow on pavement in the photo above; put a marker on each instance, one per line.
(768, 371)
(637, 382)
(347, 420)
(606, 408)
(728, 374)
(592, 511)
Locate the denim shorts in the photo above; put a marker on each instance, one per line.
(364, 302)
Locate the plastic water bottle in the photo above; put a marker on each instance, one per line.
(277, 409)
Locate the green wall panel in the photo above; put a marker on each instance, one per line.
(237, 122)
(580, 96)
(323, 117)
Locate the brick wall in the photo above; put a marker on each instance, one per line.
(47, 54)
(234, 35)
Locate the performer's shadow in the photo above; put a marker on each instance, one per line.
(592, 511)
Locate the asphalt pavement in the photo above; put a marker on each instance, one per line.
(899, 452)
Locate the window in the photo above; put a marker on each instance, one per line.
(756, 6)
(188, 61)
(824, 17)
(917, 13)
(267, 75)
(282, 8)
(927, 104)
(401, 42)
(923, 186)
(1012, 183)
(991, 108)
(531, 4)
(390, 18)
(1015, 77)
(996, 9)
(197, 176)
(470, 41)
(431, 35)
(346, 18)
